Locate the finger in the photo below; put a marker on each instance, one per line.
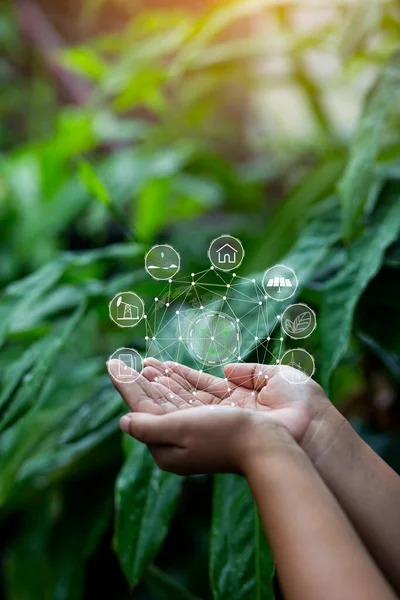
(182, 397)
(249, 375)
(198, 379)
(155, 429)
(140, 395)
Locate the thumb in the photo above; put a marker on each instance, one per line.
(153, 429)
(249, 375)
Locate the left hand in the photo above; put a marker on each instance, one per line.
(209, 439)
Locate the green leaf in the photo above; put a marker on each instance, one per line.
(342, 294)
(151, 208)
(241, 564)
(33, 382)
(163, 586)
(93, 184)
(359, 177)
(84, 61)
(145, 500)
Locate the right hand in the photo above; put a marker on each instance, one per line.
(302, 408)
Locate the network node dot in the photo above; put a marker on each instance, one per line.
(266, 377)
(194, 393)
(260, 373)
(156, 379)
(234, 275)
(268, 338)
(169, 280)
(260, 303)
(211, 408)
(212, 268)
(192, 274)
(153, 338)
(252, 393)
(167, 304)
(190, 401)
(177, 312)
(228, 285)
(278, 316)
(256, 337)
(201, 370)
(232, 404)
(277, 360)
(156, 299)
(212, 338)
(229, 389)
(237, 320)
(144, 316)
(266, 297)
(226, 379)
(180, 338)
(167, 370)
(253, 280)
(171, 395)
(281, 339)
(147, 337)
(201, 307)
(223, 297)
(193, 283)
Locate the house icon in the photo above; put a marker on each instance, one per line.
(227, 254)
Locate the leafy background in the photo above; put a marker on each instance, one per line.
(129, 123)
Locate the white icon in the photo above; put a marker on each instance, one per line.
(280, 282)
(162, 262)
(226, 253)
(126, 309)
(297, 366)
(128, 367)
(298, 321)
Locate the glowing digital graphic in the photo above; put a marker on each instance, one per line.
(298, 321)
(212, 318)
(302, 363)
(126, 309)
(214, 338)
(280, 283)
(226, 253)
(129, 367)
(162, 262)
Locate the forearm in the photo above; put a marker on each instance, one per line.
(317, 553)
(365, 486)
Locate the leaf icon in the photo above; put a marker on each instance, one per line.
(300, 323)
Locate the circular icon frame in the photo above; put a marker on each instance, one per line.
(149, 268)
(192, 340)
(300, 323)
(306, 375)
(276, 281)
(128, 357)
(125, 309)
(228, 264)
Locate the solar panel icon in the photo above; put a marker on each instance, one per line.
(280, 282)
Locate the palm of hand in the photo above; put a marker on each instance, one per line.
(167, 387)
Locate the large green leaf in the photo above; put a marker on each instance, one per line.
(145, 499)
(164, 586)
(358, 179)
(342, 294)
(241, 564)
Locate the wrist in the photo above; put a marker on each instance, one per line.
(326, 429)
(266, 442)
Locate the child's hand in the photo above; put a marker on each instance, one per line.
(299, 408)
(209, 439)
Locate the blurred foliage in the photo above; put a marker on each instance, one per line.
(144, 124)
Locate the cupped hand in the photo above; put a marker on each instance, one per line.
(169, 386)
(209, 439)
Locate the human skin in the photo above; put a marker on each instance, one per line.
(367, 489)
(317, 553)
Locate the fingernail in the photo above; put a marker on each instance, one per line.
(125, 424)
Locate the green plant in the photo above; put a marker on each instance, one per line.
(109, 172)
